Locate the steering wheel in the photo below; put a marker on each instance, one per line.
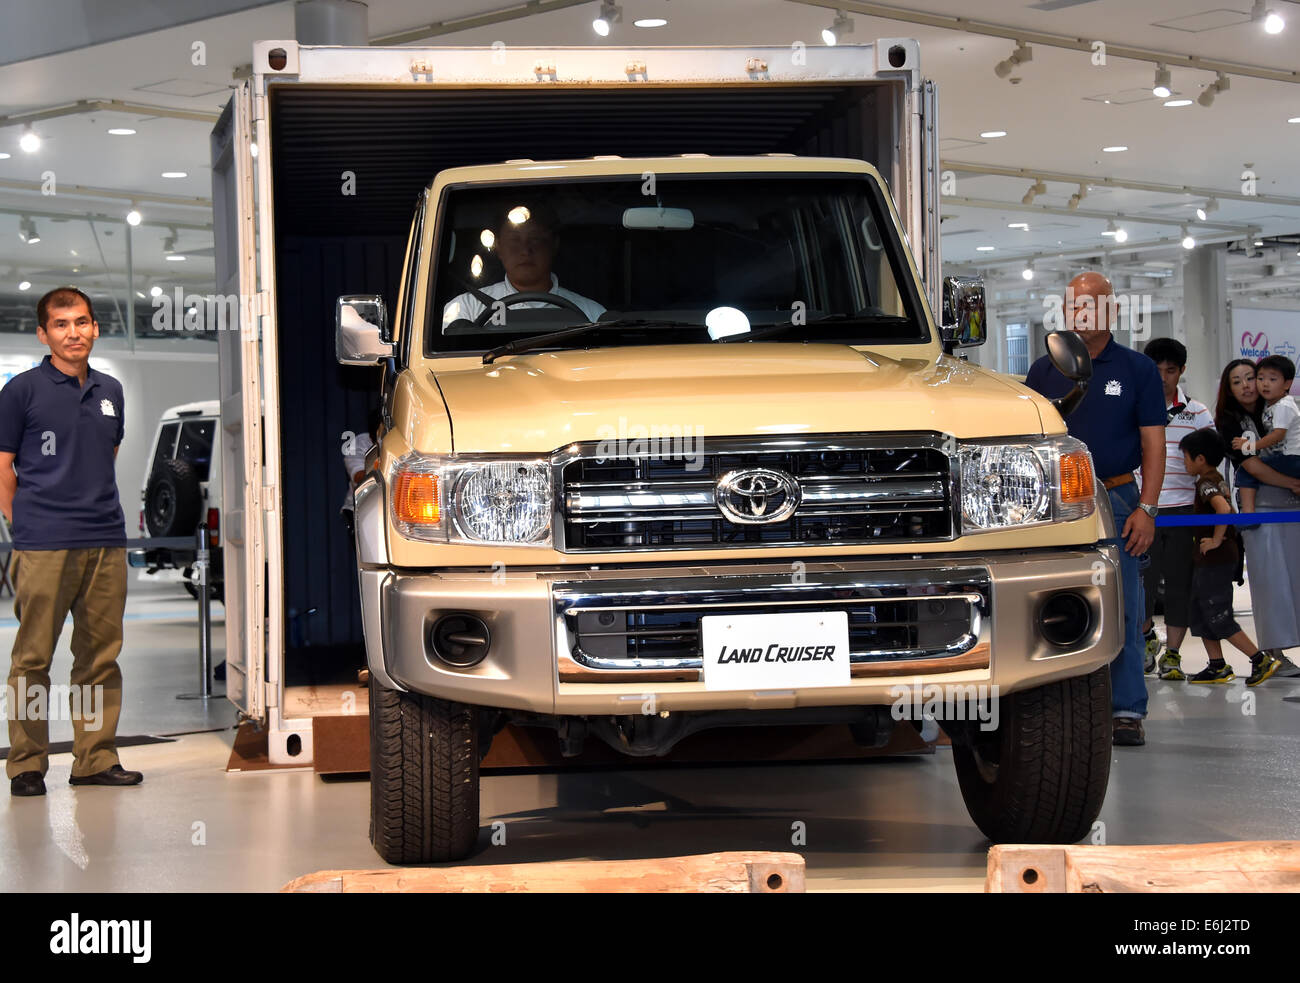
(523, 297)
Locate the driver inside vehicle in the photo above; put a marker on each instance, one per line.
(526, 239)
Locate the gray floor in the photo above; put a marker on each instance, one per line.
(1215, 767)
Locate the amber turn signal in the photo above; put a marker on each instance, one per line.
(415, 498)
(1076, 477)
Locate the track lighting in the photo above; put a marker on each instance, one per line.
(1271, 19)
(1022, 54)
(610, 13)
(841, 26)
(29, 141)
(1077, 197)
(27, 231)
(1035, 189)
(1189, 242)
(1161, 88)
(1220, 84)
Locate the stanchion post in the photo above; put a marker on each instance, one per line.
(201, 577)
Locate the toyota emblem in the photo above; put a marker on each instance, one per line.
(751, 496)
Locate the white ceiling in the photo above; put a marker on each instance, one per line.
(1053, 117)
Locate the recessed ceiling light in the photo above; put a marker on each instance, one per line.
(4, 156)
(651, 22)
(1113, 150)
(1175, 103)
(121, 131)
(175, 174)
(993, 134)
(985, 249)
(173, 258)
(1294, 119)
(1018, 225)
(25, 285)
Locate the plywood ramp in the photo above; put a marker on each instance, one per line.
(1247, 866)
(710, 873)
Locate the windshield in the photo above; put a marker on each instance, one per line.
(671, 259)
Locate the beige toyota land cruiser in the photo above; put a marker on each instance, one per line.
(676, 444)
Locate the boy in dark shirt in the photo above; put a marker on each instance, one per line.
(1214, 562)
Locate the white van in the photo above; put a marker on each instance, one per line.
(182, 487)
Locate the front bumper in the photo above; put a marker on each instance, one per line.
(538, 660)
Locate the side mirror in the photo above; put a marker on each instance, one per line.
(963, 313)
(361, 330)
(1070, 356)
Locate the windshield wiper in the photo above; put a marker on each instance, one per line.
(542, 340)
(771, 330)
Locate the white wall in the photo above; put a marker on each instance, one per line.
(152, 378)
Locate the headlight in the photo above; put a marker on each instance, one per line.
(498, 501)
(1024, 483)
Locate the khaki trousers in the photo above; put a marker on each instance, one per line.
(91, 583)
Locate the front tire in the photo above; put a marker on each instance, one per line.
(1041, 776)
(424, 781)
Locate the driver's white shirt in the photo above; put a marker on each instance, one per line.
(468, 306)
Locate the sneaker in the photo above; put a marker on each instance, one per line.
(1171, 666)
(1127, 732)
(1213, 674)
(1286, 668)
(1267, 665)
(1154, 645)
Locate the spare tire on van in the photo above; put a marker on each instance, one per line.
(173, 500)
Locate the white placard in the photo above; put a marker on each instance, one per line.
(775, 651)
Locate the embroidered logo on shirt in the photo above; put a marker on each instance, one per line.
(106, 407)
(1113, 388)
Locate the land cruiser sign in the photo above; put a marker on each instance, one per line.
(775, 651)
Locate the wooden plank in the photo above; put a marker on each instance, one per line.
(754, 872)
(1247, 866)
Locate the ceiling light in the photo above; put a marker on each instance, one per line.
(174, 258)
(841, 26)
(175, 174)
(1271, 19)
(1035, 189)
(25, 285)
(1022, 54)
(993, 134)
(1121, 234)
(1259, 242)
(1023, 226)
(488, 238)
(1114, 150)
(1220, 84)
(27, 231)
(155, 291)
(121, 131)
(133, 217)
(610, 13)
(1188, 241)
(1028, 272)
(1161, 88)
(3, 155)
(650, 22)
(1175, 103)
(985, 249)
(1294, 119)
(1077, 197)
(29, 141)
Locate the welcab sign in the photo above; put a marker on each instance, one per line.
(1258, 333)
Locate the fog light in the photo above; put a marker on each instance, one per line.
(1065, 619)
(460, 640)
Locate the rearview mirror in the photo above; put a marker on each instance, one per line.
(360, 330)
(962, 323)
(1070, 356)
(658, 218)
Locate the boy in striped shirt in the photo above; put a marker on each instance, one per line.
(1171, 553)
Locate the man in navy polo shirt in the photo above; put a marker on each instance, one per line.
(1122, 420)
(60, 426)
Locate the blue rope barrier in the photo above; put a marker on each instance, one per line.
(1233, 519)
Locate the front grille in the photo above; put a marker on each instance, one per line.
(896, 488)
(635, 626)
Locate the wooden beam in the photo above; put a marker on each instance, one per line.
(1248, 866)
(711, 873)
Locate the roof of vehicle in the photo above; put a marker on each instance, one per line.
(207, 407)
(681, 164)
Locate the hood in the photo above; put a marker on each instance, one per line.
(542, 401)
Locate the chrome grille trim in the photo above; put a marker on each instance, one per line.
(718, 594)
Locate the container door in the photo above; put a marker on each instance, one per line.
(239, 360)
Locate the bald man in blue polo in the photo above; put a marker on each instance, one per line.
(1122, 420)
